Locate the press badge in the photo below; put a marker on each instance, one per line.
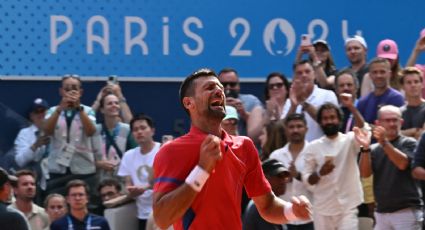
(66, 154)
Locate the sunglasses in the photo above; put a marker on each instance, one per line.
(275, 85)
(230, 83)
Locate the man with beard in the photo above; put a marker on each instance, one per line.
(291, 156)
(199, 177)
(24, 191)
(380, 73)
(10, 218)
(346, 85)
(398, 198)
(331, 169)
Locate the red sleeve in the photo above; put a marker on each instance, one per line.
(171, 166)
(256, 183)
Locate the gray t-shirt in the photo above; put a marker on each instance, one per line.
(394, 189)
(249, 102)
(413, 116)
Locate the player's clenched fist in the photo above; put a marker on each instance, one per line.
(209, 153)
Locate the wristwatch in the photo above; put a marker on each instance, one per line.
(79, 109)
(364, 150)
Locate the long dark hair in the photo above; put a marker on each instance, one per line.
(270, 76)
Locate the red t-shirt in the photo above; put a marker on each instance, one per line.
(218, 205)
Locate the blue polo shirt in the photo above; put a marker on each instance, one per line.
(91, 221)
(369, 105)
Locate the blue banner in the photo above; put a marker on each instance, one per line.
(158, 38)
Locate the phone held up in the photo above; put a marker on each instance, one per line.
(305, 40)
(112, 80)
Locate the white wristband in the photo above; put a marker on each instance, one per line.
(288, 212)
(197, 178)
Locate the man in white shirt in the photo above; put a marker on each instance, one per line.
(305, 97)
(136, 166)
(30, 144)
(331, 169)
(25, 191)
(291, 156)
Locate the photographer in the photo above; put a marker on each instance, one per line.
(73, 143)
(112, 87)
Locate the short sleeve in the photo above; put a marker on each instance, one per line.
(256, 183)
(124, 169)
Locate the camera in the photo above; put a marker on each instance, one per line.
(112, 80)
(305, 40)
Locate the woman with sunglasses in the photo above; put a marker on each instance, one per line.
(275, 93)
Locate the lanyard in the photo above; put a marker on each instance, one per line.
(71, 226)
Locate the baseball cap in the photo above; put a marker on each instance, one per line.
(231, 113)
(273, 167)
(422, 34)
(387, 49)
(39, 103)
(5, 177)
(356, 38)
(322, 42)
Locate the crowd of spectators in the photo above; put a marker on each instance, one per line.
(351, 140)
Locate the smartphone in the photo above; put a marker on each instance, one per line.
(113, 79)
(231, 93)
(305, 40)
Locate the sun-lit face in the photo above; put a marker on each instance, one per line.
(355, 52)
(295, 131)
(276, 88)
(380, 73)
(209, 99)
(412, 85)
(391, 121)
(345, 84)
(111, 106)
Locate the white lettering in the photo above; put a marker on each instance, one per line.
(195, 37)
(165, 36)
(91, 38)
(54, 40)
(320, 23)
(237, 50)
(137, 40)
(344, 30)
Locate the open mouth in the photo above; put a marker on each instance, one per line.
(217, 103)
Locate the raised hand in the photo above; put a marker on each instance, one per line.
(346, 100)
(210, 153)
(379, 134)
(362, 137)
